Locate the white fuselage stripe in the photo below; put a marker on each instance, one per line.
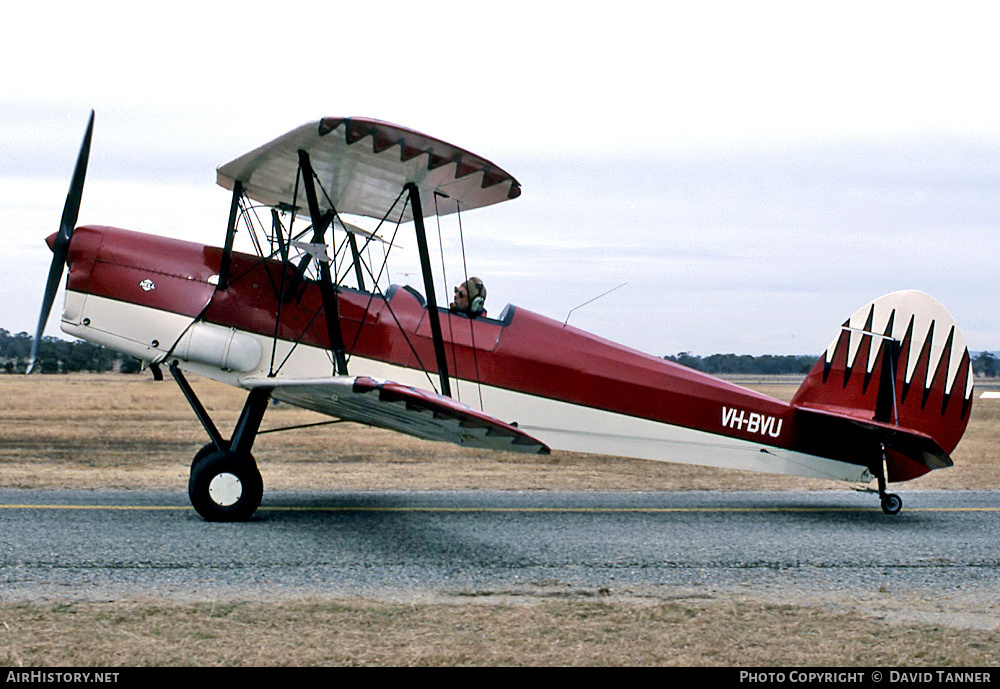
(560, 425)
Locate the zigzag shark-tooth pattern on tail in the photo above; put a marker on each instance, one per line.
(900, 361)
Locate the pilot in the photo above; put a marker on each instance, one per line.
(470, 298)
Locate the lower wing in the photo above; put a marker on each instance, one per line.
(402, 408)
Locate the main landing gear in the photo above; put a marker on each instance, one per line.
(225, 484)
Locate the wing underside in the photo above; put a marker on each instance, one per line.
(398, 407)
(363, 165)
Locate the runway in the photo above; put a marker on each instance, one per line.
(113, 545)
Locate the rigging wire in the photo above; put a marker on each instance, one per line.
(472, 330)
(375, 280)
(248, 213)
(278, 230)
(444, 276)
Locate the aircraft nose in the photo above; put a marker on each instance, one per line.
(51, 241)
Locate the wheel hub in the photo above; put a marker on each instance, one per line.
(225, 489)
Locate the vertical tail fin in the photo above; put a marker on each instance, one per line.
(900, 361)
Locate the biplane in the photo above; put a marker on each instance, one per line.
(307, 318)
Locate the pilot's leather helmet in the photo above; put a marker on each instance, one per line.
(476, 290)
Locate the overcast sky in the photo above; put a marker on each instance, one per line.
(755, 172)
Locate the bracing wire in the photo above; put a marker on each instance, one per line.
(375, 280)
(248, 214)
(444, 276)
(472, 330)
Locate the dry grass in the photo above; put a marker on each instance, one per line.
(93, 431)
(97, 431)
(668, 633)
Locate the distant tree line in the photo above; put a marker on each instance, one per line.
(61, 356)
(984, 364)
(767, 364)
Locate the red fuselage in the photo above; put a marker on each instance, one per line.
(518, 351)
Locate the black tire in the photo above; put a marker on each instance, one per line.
(206, 451)
(225, 487)
(891, 503)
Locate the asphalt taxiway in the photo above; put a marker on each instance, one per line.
(110, 545)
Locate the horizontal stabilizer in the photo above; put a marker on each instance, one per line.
(849, 438)
(398, 407)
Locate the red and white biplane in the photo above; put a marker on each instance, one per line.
(304, 320)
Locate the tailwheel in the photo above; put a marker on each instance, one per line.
(891, 503)
(225, 486)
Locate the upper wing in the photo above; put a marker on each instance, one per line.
(363, 165)
(400, 408)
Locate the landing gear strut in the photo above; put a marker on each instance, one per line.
(891, 503)
(225, 484)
